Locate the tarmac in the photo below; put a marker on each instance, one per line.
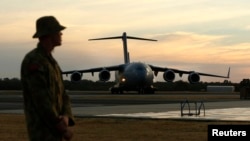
(228, 110)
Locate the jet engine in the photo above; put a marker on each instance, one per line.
(169, 75)
(193, 77)
(76, 76)
(104, 75)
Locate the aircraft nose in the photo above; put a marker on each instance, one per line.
(138, 77)
(141, 76)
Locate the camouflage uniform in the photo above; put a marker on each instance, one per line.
(44, 95)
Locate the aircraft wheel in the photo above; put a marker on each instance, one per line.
(141, 91)
(114, 91)
(150, 91)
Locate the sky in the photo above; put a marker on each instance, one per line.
(207, 36)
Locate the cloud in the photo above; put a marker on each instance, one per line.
(184, 46)
(201, 35)
(247, 27)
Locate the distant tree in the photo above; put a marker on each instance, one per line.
(15, 84)
(10, 84)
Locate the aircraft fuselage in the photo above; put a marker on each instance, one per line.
(134, 76)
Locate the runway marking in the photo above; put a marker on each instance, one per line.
(231, 114)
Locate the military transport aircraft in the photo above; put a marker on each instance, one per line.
(135, 76)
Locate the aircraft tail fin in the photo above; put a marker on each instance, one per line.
(124, 38)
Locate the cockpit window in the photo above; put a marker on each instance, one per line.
(140, 67)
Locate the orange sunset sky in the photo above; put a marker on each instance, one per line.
(206, 36)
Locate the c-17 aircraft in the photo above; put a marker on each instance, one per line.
(136, 76)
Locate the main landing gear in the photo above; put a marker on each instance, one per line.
(117, 90)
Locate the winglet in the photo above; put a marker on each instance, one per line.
(228, 74)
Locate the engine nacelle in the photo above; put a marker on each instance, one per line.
(104, 75)
(169, 75)
(193, 77)
(76, 76)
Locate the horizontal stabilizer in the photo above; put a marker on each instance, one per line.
(124, 37)
(136, 38)
(107, 38)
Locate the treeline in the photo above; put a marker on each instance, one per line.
(88, 85)
(10, 84)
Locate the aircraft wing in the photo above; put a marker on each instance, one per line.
(157, 69)
(92, 70)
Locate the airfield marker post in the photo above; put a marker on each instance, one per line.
(197, 108)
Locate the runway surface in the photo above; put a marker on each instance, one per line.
(162, 105)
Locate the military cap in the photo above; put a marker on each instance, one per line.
(47, 25)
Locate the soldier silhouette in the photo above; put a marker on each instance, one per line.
(47, 106)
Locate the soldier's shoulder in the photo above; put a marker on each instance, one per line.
(33, 61)
(33, 54)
